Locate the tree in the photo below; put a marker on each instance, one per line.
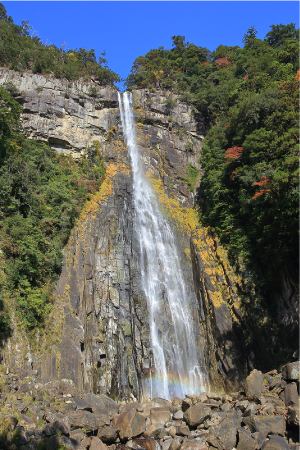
(279, 34)
(179, 43)
(249, 38)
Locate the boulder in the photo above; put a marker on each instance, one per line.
(276, 401)
(242, 406)
(291, 372)
(275, 443)
(160, 403)
(8, 422)
(178, 415)
(175, 444)
(77, 435)
(176, 401)
(165, 445)
(269, 425)
(101, 419)
(83, 419)
(226, 432)
(110, 404)
(147, 444)
(86, 442)
(63, 442)
(254, 384)
(95, 402)
(68, 387)
(130, 424)
(159, 415)
(135, 405)
(293, 416)
(290, 395)
(259, 438)
(109, 434)
(246, 442)
(153, 431)
(81, 404)
(203, 397)
(186, 404)
(197, 414)
(183, 430)
(52, 388)
(195, 444)
(26, 422)
(96, 444)
(276, 383)
(61, 425)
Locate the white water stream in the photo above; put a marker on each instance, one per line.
(177, 370)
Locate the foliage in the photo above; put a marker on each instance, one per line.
(41, 195)
(192, 177)
(20, 51)
(248, 98)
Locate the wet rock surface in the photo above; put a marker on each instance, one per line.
(237, 422)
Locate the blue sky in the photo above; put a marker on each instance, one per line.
(128, 29)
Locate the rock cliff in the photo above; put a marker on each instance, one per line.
(100, 330)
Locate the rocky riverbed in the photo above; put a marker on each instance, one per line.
(264, 414)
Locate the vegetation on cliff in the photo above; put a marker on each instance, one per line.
(22, 52)
(42, 193)
(249, 99)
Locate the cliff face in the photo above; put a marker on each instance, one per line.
(100, 332)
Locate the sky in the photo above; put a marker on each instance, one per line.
(128, 29)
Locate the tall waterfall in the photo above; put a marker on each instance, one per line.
(177, 370)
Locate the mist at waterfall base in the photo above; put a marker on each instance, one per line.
(176, 369)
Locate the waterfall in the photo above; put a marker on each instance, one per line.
(177, 370)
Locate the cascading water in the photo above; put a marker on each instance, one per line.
(176, 364)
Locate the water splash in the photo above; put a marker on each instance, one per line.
(177, 370)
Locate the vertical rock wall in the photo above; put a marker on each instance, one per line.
(98, 334)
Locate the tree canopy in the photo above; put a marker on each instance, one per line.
(21, 51)
(249, 99)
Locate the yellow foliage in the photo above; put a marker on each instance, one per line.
(187, 221)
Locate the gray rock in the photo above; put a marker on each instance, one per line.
(186, 404)
(269, 425)
(83, 419)
(276, 383)
(153, 431)
(159, 415)
(108, 434)
(245, 441)
(110, 404)
(63, 442)
(68, 387)
(130, 424)
(254, 384)
(293, 416)
(290, 395)
(275, 443)
(77, 435)
(226, 432)
(195, 444)
(178, 415)
(175, 444)
(259, 438)
(197, 414)
(183, 430)
(96, 444)
(291, 372)
(81, 404)
(166, 444)
(242, 406)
